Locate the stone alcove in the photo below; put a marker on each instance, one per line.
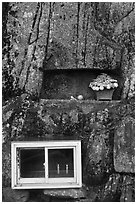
(64, 83)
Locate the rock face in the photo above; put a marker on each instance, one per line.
(106, 130)
(99, 148)
(111, 192)
(10, 195)
(128, 189)
(124, 142)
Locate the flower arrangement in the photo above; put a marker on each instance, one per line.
(102, 82)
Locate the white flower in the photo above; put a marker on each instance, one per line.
(101, 88)
(103, 81)
(115, 85)
(108, 86)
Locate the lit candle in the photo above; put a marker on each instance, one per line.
(66, 168)
(57, 168)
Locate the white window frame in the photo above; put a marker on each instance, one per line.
(44, 183)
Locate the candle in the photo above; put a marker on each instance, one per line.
(57, 168)
(66, 168)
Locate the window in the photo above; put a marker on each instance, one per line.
(50, 164)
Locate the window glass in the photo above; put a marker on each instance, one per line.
(60, 163)
(32, 163)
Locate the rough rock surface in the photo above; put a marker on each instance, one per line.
(111, 191)
(106, 131)
(10, 195)
(128, 189)
(124, 146)
(118, 188)
(99, 149)
(66, 193)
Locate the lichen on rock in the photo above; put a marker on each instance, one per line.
(124, 146)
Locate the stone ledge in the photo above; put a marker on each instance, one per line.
(66, 193)
(67, 101)
(86, 106)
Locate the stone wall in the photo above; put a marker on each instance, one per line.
(106, 130)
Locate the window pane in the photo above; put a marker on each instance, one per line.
(32, 163)
(60, 163)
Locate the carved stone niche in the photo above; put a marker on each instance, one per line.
(74, 83)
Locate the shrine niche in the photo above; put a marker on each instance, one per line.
(74, 83)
